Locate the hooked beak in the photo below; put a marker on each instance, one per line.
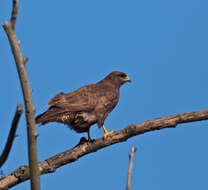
(127, 79)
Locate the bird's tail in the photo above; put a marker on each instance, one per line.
(49, 116)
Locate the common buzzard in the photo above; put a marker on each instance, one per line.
(87, 105)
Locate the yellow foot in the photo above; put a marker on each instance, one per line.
(106, 133)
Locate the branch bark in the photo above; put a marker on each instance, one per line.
(51, 164)
(11, 136)
(20, 64)
(131, 156)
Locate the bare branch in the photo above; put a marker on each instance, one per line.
(31, 131)
(12, 135)
(131, 155)
(14, 14)
(84, 148)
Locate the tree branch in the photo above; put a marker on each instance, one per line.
(14, 14)
(11, 136)
(131, 155)
(82, 149)
(31, 131)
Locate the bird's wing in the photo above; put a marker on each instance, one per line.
(82, 99)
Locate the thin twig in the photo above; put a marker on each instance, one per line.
(51, 164)
(25, 60)
(14, 14)
(29, 107)
(131, 156)
(12, 135)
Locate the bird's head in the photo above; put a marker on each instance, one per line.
(117, 78)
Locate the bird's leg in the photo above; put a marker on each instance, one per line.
(106, 133)
(88, 133)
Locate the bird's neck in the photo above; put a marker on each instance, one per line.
(109, 84)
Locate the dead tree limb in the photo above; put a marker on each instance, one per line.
(73, 154)
(11, 136)
(131, 156)
(20, 64)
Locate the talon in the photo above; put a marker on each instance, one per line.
(82, 141)
(106, 133)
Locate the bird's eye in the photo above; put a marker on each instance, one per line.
(123, 75)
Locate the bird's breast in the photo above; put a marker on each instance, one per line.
(87, 117)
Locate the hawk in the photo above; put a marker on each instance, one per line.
(87, 105)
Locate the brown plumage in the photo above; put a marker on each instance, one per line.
(87, 105)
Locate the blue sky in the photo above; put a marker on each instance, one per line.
(161, 45)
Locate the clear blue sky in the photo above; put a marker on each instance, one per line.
(162, 45)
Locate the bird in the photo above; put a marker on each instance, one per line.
(87, 105)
